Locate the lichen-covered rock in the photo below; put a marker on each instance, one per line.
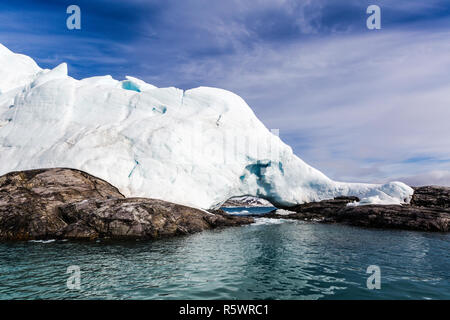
(66, 203)
(431, 196)
(138, 218)
(429, 211)
(29, 200)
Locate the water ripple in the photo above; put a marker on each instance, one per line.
(266, 260)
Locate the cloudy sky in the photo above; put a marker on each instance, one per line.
(358, 104)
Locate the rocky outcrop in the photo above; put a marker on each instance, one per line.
(66, 203)
(429, 210)
(138, 218)
(70, 204)
(432, 197)
(246, 201)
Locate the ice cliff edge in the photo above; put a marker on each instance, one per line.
(197, 147)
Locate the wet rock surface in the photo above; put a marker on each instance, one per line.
(65, 203)
(429, 210)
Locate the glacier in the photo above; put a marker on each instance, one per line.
(197, 147)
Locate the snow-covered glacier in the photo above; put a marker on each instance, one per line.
(197, 147)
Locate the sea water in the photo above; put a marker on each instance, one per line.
(271, 259)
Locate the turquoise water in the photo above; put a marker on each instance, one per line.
(270, 259)
(246, 211)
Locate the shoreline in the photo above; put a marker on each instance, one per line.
(64, 203)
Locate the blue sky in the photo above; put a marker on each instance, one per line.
(357, 104)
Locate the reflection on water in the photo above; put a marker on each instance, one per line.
(268, 260)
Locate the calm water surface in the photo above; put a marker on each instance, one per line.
(270, 259)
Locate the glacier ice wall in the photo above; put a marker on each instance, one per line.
(197, 147)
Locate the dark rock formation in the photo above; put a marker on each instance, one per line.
(138, 218)
(432, 197)
(67, 203)
(429, 211)
(246, 201)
